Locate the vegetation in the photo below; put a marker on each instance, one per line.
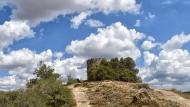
(71, 80)
(116, 69)
(47, 90)
(44, 91)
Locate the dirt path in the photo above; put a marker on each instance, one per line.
(168, 95)
(80, 96)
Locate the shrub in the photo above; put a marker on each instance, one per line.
(116, 69)
(44, 91)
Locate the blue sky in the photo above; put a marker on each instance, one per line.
(170, 19)
(51, 32)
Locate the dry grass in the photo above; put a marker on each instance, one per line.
(122, 94)
(183, 94)
(186, 95)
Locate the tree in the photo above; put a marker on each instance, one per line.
(115, 69)
(46, 90)
(50, 87)
(45, 72)
(31, 82)
(114, 63)
(129, 63)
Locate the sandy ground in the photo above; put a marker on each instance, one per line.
(82, 100)
(80, 96)
(168, 95)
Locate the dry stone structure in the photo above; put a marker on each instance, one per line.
(93, 63)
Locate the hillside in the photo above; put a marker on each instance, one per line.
(123, 94)
(110, 83)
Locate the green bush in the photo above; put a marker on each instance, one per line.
(44, 91)
(116, 69)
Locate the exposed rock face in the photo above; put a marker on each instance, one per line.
(93, 63)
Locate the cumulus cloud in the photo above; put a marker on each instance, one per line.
(20, 66)
(74, 66)
(176, 42)
(149, 58)
(148, 44)
(37, 11)
(58, 55)
(113, 41)
(94, 23)
(13, 31)
(7, 83)
(78, 20)
(27, 14)
(171, 67)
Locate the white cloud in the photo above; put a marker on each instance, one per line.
(171, 67)
(108, 6)
(20, 65)
(58, 55)
(137, 23)
(116, 41)
(78, 20)
(37, 11)
(148, 44)
(150, 38)
(7, 83)
(74, 66)
(94, 23)
(113, 41)
(13, 31)
(176, 42)
(27, 13)
(149, 58)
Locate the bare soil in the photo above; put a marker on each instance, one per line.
(80, 96)
(123, 94)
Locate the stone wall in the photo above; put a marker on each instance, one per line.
(93, 63)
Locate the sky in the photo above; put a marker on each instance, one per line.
(65, 33)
